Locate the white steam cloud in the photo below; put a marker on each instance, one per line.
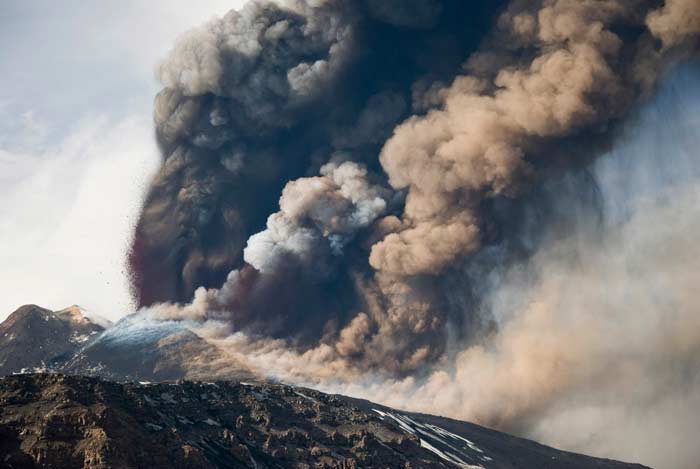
(317, 214)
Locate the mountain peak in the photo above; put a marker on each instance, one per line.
(26, 311)
(33, 337)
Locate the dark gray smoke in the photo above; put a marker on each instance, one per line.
(390, 252)
(267, 95)
(347, 186)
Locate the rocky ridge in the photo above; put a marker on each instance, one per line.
(49, 420)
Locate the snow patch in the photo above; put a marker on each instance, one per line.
(448, 457)
(447, 445)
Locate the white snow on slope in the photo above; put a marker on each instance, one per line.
(445, 444)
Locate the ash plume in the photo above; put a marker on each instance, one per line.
(267, 95)
(400, 199)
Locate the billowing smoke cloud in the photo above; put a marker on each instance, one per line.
(332, 208)
(494, 124)
(267, 95)
(598, 342)
(374, 198)
(676, 23)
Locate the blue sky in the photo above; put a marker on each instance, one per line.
(76, 145)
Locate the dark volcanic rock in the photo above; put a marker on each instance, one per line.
(77, 422)
(34, 337)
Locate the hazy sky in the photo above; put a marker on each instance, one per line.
(76, 91)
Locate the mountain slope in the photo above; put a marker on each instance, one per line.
(72, 341)
(34, 337)
(138, 348)
(78, 422)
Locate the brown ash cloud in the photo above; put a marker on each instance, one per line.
(366, 192)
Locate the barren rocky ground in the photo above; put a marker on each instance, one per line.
(58, 421)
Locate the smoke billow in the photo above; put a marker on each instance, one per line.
(267, 95)
(404, 200)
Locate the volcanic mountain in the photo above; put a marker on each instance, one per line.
(36, 338)
(75, 342)
(77, 419)
(49, 420)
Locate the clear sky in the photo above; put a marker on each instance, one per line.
(76, 144)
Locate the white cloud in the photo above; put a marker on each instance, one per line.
(65, 222)
(76, 142)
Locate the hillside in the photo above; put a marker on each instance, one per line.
(70, 341)
(37, 338)
(51, 420)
